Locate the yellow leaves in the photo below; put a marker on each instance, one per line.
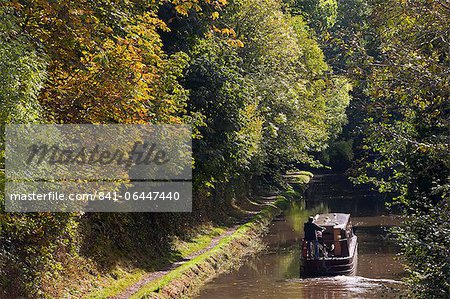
(98, 73)
(216, 3)
(151, 20)
(235, 43)
(215, 15)
(184, 6)
(229, 32)
(13, 4)
(231, 35)
(239, 43)
(107, 30)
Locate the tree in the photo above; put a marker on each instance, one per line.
(320, 14)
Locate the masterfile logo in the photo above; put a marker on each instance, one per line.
(102, 168)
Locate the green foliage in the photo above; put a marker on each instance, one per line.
(320, 14)
(74, 62)
(425, 242)
(220, 92)
(397, 58)
(34, 251)
(250, 77)
(29, 243)
(22, 73)
(408, 123)
(350, 45)
(288, 72)
(337, 100)
(339, 155)
(407, 138)
(263, 87)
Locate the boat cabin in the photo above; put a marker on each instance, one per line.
(338, 232)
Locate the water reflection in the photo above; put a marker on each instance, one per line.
(275, 273)
(298, 214)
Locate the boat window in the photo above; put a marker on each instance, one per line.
(349, 231)
(327, 235)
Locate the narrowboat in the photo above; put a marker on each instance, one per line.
(338, 248)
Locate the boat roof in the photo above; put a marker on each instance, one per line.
(337, 220)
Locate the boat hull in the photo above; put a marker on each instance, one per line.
(330, 266)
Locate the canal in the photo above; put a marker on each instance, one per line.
(274, 273)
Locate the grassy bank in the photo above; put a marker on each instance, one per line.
(186, 279)
(210, 251)
(122, 278)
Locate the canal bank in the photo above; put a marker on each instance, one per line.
(212, 251)
(185, 280)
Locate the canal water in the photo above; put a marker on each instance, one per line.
(275, 273)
